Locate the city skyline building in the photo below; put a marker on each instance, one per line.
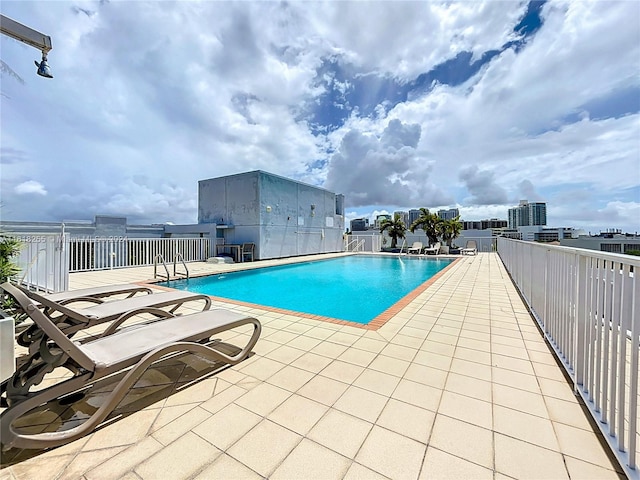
(414, 214)
(527, 214)
(449, 214)
(404, 216)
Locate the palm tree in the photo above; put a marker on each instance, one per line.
(395, 229)
(450, 229)
(429, 222)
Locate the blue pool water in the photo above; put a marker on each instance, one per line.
(355, 288)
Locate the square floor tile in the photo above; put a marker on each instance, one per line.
(377, 382)
(463, 440)
(262, 368)
(357, 357)
(265, 447)
(569, 413)
(323, 390)
(433, 360)
(418, 394)
(515, 380)
(426, 375)
(227, 426)
(518, 459)
(329, 349)
(467, 409)
(589, 471)
(439, 465)
(186, 456)
(118, 465)
(401, 352)
(311, 362)
(471, 387)
(298, 414)
(471, 369)
(361, 403)
(226, 467)
(521, 400)
(263, 399)
(352, 432)
(359, 472)
(391, 366)
(408, 420)
(285, 354)
(391, 454)
(312, 461)
(291, 378)
(581, 444)
(525, 427)
(342, 371)
(370, 345)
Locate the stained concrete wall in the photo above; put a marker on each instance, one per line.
(281, 216)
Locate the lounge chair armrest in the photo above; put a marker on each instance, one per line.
(158, 312)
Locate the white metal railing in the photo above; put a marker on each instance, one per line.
(587, 303)
(367, 243)
(43, 260)
(483, 244)
(98, 253)
(354, 246)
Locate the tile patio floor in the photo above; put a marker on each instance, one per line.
(458, 384)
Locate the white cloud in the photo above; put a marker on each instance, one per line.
(30, 187)
(176, 92)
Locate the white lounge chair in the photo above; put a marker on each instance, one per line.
(96, 294)
(72, 318)
(415, 248)
(470, 248)
(433, 250)
(130, 351)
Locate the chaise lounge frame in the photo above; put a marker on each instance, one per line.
(97, 294)
(470, 248)
(133, 349)
(415, 248)
(433, 249)
(71, 319)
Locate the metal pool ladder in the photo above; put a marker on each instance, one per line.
(159, 258)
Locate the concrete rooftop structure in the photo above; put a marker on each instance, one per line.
(459, 383)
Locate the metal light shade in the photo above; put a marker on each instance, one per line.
(43, 68)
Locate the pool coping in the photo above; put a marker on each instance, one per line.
(376, 323)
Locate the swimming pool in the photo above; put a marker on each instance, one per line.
(355, 288)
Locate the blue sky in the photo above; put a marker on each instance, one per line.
(396, 105)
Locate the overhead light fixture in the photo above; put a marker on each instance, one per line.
(31, 37)
(43, 67)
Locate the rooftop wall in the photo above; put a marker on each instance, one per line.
(282, 217)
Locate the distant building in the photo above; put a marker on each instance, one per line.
(404, 216)
(359, 224)
(379, 220)
(491, 223)
(539, 233)
(449, 214)
(527, 214)
(414, 214)
(107, 227)
(605, 242)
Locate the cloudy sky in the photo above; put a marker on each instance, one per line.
(394, 104)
